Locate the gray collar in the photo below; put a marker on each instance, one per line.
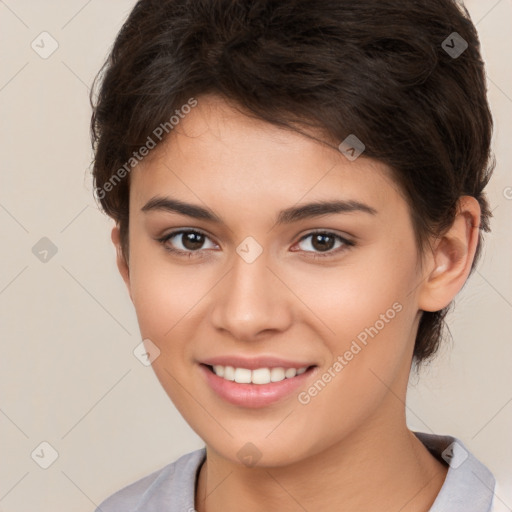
(468, 486)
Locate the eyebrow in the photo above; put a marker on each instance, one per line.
(287, 216)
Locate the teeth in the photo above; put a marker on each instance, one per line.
(259, 376)
(229, 373)
(277, 374)
(243, 376)
(290, 372)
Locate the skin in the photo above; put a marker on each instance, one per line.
(349, 448)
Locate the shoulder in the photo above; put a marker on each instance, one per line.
(469, 485)
(171, 486)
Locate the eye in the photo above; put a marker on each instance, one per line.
(324, 243)
(190, 243)
(186, 242)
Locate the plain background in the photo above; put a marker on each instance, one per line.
(67, 372)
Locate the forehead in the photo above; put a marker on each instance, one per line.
(216, 153)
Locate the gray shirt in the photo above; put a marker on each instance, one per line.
(468, 486)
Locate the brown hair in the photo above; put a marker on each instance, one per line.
(383, 70)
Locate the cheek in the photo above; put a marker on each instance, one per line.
(365, 323)
(165, 295)
(167, 301)
(365, 312)
(360, 292)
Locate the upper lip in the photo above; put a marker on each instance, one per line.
(254, 363)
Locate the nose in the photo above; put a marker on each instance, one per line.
(252, 302)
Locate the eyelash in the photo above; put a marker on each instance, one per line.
(347, 244)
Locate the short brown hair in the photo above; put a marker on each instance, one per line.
(379, 69)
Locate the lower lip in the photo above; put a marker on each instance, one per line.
(254, 395)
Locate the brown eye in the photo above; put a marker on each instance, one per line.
(192, 240)
(186, 242)
(323, 242)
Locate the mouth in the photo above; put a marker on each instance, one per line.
(258, 387)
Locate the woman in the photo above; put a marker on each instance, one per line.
(298, 191)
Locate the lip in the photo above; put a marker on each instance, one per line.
(254, 363)
(254, 396)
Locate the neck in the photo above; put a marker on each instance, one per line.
(376, 468)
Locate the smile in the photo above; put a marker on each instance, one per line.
(255, 388)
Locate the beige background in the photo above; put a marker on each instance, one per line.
(67, 372)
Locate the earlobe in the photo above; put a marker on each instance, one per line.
(122, 265)
(451, 259)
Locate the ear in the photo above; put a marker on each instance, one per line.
(449, 264)
(122, 265)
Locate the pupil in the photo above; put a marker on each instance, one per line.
(193, 241)
(319, 242)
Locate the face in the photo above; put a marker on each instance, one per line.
(250, 277)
